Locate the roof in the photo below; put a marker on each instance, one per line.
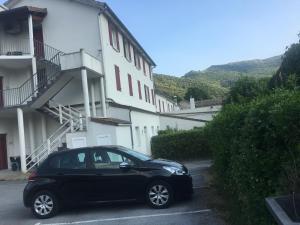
(110, 121)
(3, 7)
(22, 13)
(162, 94)
(104, 8)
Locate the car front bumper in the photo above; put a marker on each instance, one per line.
(182, 186)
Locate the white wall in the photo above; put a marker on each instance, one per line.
(178, 123)
(17, 42)
(13, 78)
(145, 122)
(112, 58)
(69, 25)
(9, 126)
(165, 104)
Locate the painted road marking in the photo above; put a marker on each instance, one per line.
(130, 217)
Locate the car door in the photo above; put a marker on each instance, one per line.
(73, 176)
(112, 182)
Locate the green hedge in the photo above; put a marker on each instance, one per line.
(255, 147)
(180, 145)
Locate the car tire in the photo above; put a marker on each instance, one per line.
(44, 205)
(159, 195)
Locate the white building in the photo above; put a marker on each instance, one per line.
(71, 74)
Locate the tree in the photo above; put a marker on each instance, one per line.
(290, 67)
(246, 89)
(196, 93)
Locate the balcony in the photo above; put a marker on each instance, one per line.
(17, 27)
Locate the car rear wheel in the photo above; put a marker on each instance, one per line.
(159, 195)
(44, 205)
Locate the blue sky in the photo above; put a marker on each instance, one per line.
(184, 35)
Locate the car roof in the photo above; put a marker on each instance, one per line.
(112, 147)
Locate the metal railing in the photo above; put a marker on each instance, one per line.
(14, 47)
(48, 65)
(71, 119)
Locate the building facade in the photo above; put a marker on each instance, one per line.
(72, 75)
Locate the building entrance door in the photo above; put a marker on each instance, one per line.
(3, 152)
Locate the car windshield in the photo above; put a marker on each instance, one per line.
(135, 154)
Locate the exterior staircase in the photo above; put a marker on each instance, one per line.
(71, 120)
(43, 85)
(36, 93)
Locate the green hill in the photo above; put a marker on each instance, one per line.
(216, 79)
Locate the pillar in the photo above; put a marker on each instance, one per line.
(85, 89)
(31, 41)
(31, 133)
(22, 139)
(103, 101)
(44, 129)
(93, 99)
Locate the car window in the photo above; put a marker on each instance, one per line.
(70, 160)
(105, 159)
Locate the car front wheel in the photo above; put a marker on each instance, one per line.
(44, 205)
(159, 195)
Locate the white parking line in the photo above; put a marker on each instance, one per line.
(129, 217)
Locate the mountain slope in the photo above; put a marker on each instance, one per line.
(232, 71)
(216, 79)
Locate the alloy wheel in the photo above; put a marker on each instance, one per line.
(43, 205)
(158, 195)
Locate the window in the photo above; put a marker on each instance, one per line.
(106, 159)
(70, 160)
(163, 106)
(118, 79)
(127, 51)
(113, 36)
(130, 85)
(144, 67)
(168, 107)
(138, 136)
(150, 71)
(137, 61)
(153, 131)
(159, 105)
(140, 89)
(153, 97)
(147, 93)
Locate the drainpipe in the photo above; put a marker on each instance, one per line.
(102, 78)
(131, 131)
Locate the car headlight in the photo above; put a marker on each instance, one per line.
(174, 170)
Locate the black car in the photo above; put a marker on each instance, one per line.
(101, 174)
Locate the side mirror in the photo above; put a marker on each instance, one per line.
(125, 166)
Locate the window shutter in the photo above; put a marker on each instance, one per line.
(130, 85)
(150, 71)
(144, 67)
(129, 47)
(140, 89)
(153, 98)
(118, 79)
(159, 105)
(146, 96)
(124, 47)
(148, 92)
(118, 44)
(110, 34)
(163, 106)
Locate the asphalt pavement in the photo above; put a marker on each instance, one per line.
(190, 212)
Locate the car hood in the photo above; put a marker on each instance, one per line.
(165, 162)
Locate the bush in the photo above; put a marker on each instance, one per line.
(180, 145)
(252, 144)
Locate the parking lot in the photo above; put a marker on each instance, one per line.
(192, 212)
